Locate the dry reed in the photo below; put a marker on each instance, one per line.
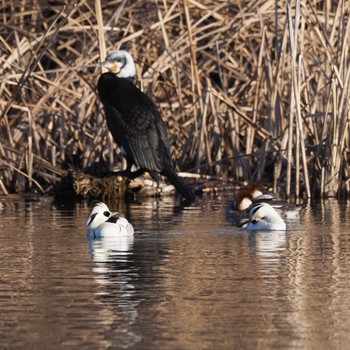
(251, 90)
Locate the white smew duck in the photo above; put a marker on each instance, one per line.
(262, 216)
(253, 194)
(104, 223)
(288, 210)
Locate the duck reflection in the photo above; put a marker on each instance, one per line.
(128, 270)
(109, 249)
(114, 273)
(268, 244)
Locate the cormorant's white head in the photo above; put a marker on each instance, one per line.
(119, 62)
(100, 214)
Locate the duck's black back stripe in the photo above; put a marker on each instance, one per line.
(255, 208)
(113, 219)
(91, 219)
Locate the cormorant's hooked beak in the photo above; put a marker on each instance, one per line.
(112, 66)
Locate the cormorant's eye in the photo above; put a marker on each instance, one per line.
(106, 213)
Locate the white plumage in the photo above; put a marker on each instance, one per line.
(262, 216)
(104, 223)
(121, 63)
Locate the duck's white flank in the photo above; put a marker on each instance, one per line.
(288, 210)
(262, 216)
(104, 223)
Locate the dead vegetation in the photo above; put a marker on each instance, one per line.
(252, 90)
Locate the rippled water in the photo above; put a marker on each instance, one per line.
(187, 280)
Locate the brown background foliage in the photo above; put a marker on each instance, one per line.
(254, 90)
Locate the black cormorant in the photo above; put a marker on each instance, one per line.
(135, 122)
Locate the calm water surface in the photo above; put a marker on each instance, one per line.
(187, 280)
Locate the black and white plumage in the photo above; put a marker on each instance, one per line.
(135, 122)
(252, 194)
(288, 210)
(104, 223)
(263, 217)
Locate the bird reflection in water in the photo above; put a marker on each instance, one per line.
(268, 244)
(115, 276)
(111, 249)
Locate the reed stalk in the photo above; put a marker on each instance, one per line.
(253, 90)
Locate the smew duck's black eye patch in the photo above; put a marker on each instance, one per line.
(106, 213)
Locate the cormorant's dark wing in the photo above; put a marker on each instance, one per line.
(138, 128)
(135, 123)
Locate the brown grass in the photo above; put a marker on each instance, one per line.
(254, 90)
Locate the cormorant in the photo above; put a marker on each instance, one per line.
(135, 122)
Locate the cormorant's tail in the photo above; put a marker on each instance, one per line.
(180, 186)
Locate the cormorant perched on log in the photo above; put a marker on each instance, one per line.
(135, 122)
